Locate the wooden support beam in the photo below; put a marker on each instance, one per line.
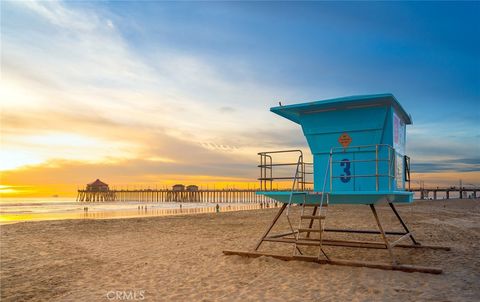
(354, 243)
(310, 224)
(344, 243)
(402, 222)
(316, 205)
(312, 217)
(384, 266)
(364, 231)
(281, 235)
(271, 226)
(399, 240)
(309, 230)
(422, 246)
(382, 232)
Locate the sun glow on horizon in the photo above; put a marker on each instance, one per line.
(19, 151)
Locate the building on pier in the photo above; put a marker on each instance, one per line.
(97, 186)
(192, 188)
(96, 191)
(178, 187)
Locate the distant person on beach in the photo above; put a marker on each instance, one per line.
(217, 207)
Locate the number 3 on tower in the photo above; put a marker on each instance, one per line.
(345, 177)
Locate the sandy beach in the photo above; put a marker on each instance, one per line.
(179, 258)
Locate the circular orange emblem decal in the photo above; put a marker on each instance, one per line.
(345, 140)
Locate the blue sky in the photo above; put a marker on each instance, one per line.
(427, 54)
(202, 76)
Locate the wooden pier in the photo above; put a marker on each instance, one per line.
(460, 192)
(153, 195)
(232, 195)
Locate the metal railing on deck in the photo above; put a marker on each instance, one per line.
(406, 162)
(299, 178)
(377, 152)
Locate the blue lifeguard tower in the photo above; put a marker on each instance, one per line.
(358, 147)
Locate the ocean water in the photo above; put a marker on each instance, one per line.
(14, 210)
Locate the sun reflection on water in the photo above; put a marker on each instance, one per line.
(148, 210)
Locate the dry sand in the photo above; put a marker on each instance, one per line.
(180, 259)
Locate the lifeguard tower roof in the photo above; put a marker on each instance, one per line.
(293, 112)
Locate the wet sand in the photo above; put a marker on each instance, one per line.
(117, 211)
(179, 258)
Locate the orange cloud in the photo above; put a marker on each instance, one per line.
(446, 179)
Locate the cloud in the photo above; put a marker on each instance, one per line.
(446, 145)
(454, 165)
(226, 109)
(59, 15)
(92, 70)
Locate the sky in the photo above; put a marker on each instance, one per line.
(148, 94)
